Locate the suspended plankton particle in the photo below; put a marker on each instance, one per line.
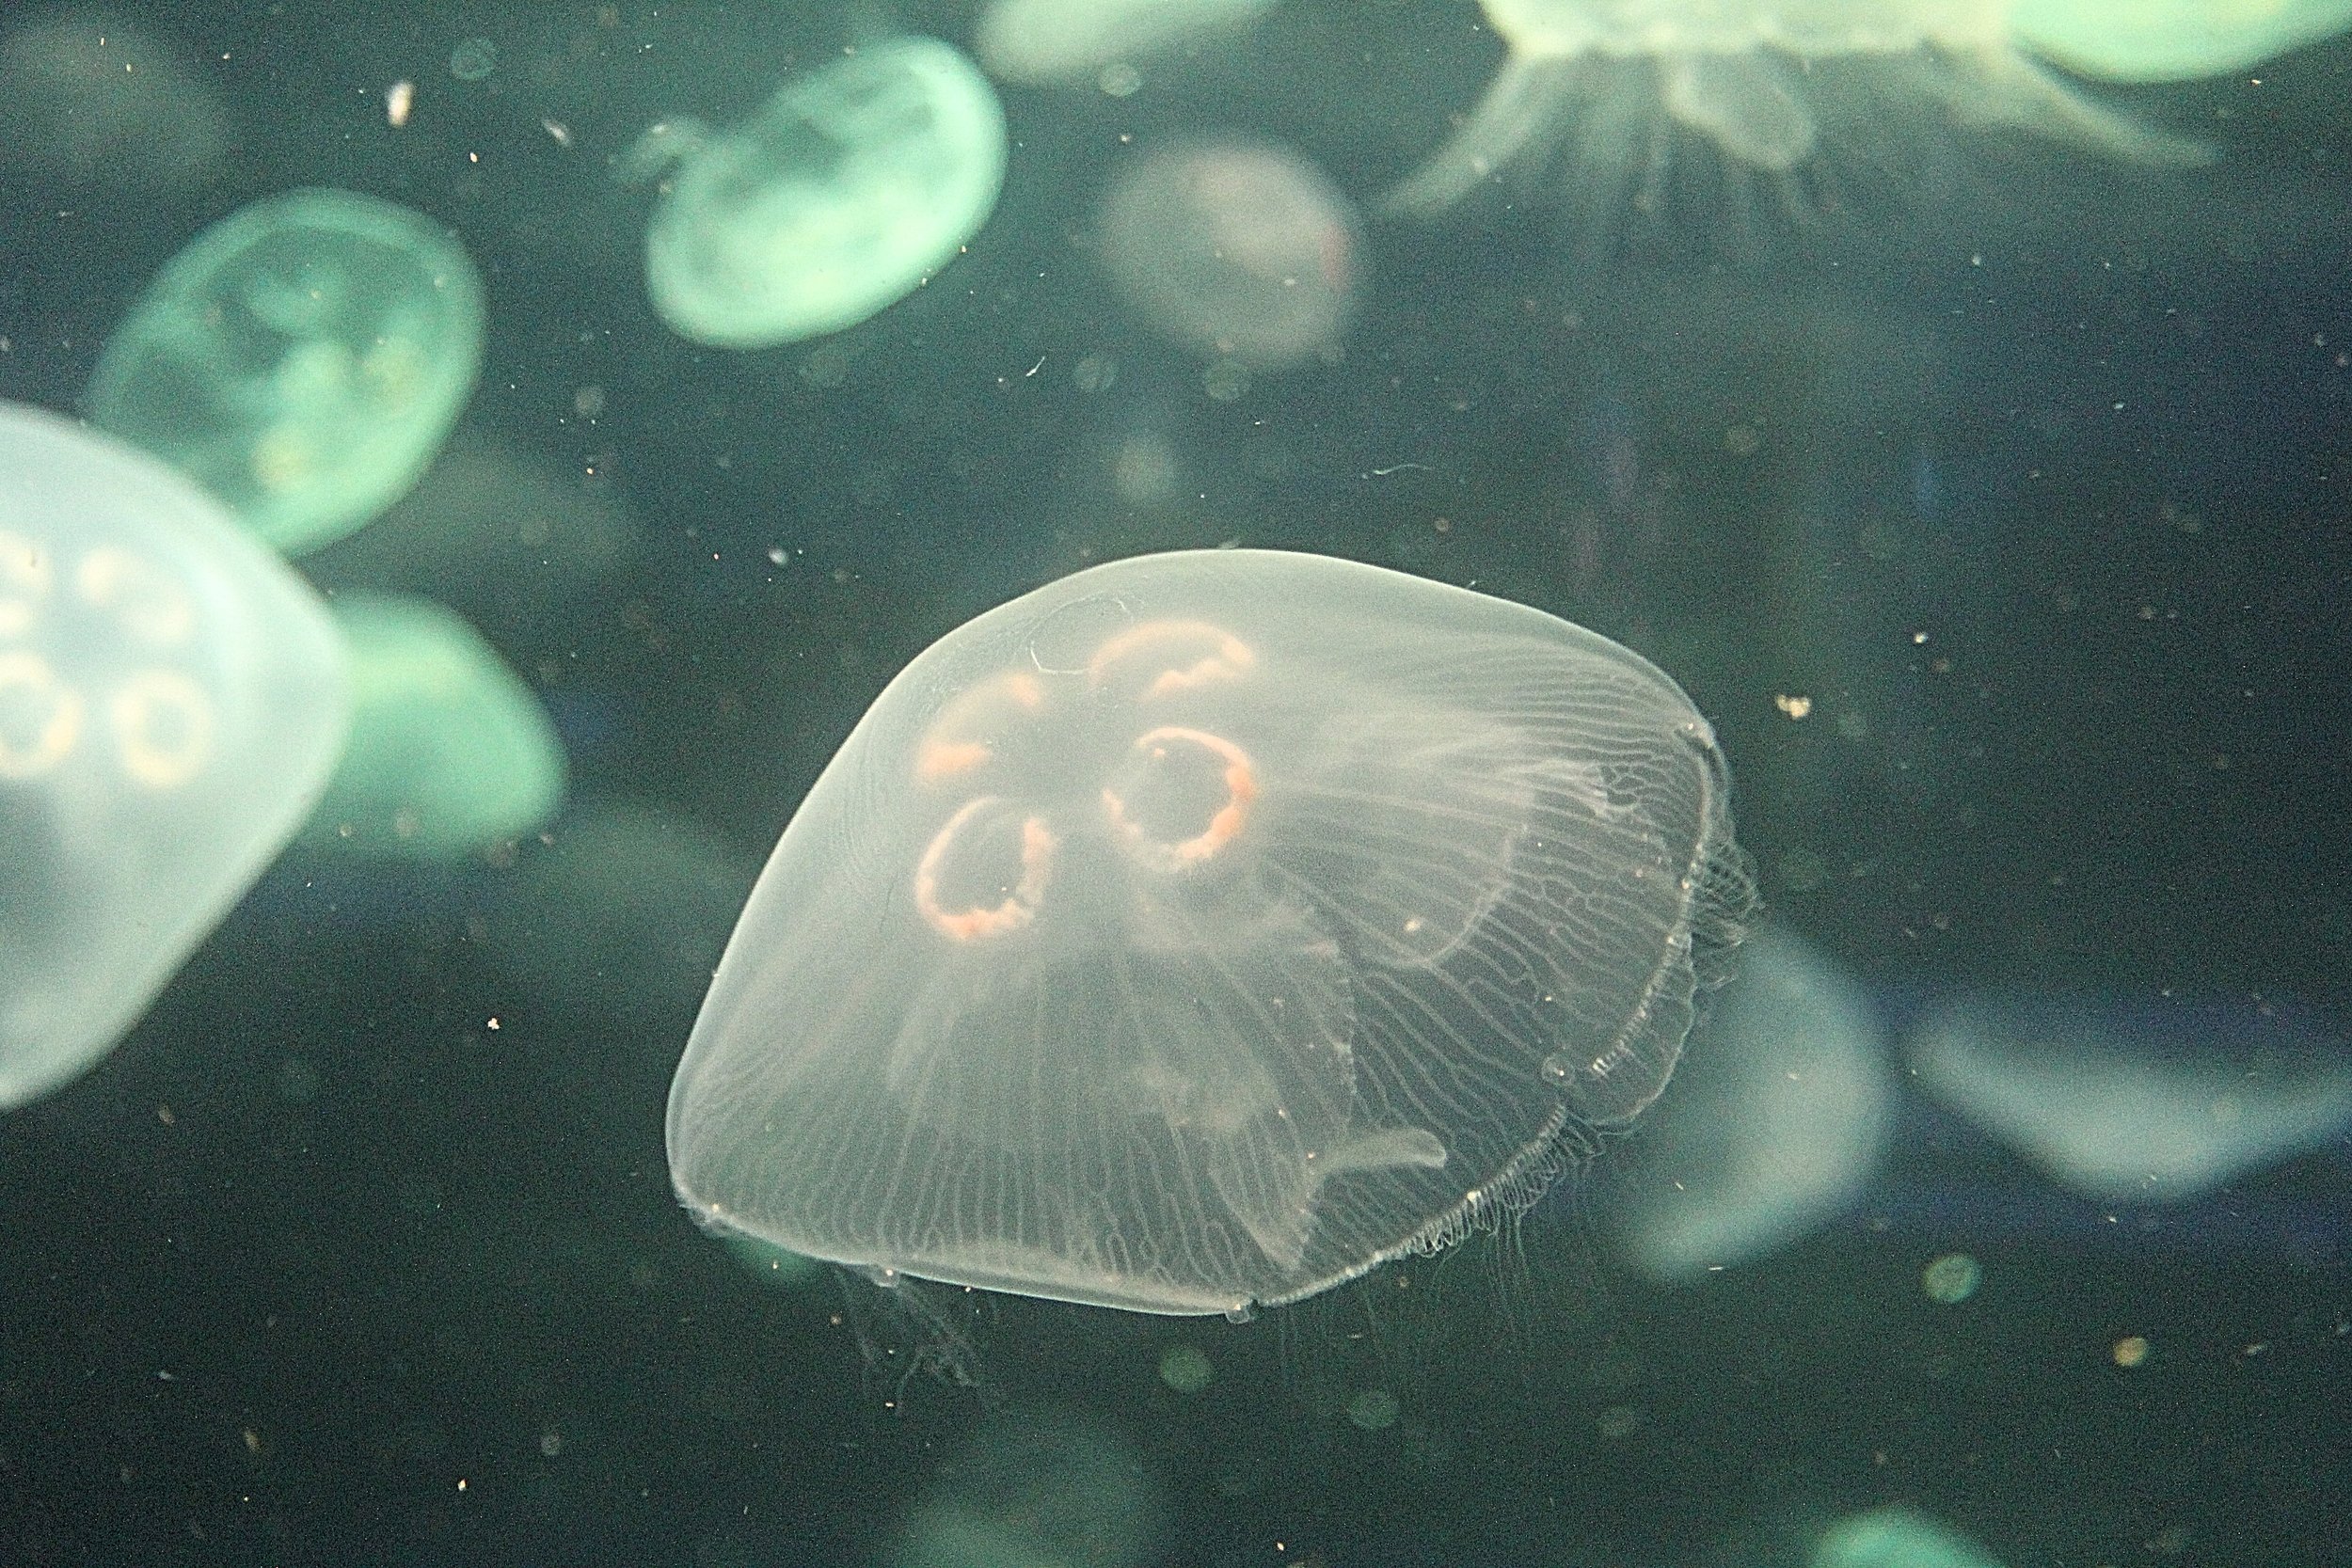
(172, 699)
(1595, 83)
(1071, 41)
(849, 191)
(303, 360)
(1205, 928)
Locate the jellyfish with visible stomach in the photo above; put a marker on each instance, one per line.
(171, 700)
(303, 360)
(1596, 77)
(1204, 929)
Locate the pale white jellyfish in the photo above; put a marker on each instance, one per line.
(1599, 79)
(2124, 1104)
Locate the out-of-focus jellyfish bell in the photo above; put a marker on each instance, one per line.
(1779, 1115)
(172, 699)
(303, 360)
(844, 195)
(449, 752)
(618, 914)
(2150, 1103)
(1897, 1537)
(2172, 41)
(1204, 929)
(1239, 250)
(1598, 81)
(1040, 1489)
(84, 100)
(1069, 41)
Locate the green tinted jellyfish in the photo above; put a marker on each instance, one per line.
(171, 700)
(1072, 41)
(1204, 929)
(449, 752)
(2172, 41)
(303, 360)
(1599, 79)
(844, 195)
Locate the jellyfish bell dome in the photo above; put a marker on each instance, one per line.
(1757, 81)
(1069, 42)
(303, 360)
(172, 699)
(1240, 248)
(86, 102)
(2172, 41)
(1204, 929)
(845, 194)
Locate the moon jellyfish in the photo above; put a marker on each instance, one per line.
(2152, 1103)
(1071, 41)
(1243, 251)
(2172, 41)
(1041, 1488)
(172, 699)
(450, 752)
(303, 360)
(1603, 78)
(1777, 1119)
(1897, 1537)
(844, 195)
(1204, 929)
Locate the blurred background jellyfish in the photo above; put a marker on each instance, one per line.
(618, 914)
(1600, 83)
(1239, 250)
(86, 102)
(172, 699)
(2150, 1103)
(1780, 1110)
(2170, 41)
(1037, 1490)
(846, 193)
(1069, 41)
(303, 360)
(1207, 928)
(1897, 1537)
(503, 535)
(449, 752)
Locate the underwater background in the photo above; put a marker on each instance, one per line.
(1993, 497)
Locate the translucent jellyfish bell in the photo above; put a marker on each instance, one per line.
(2172, 41)
(303, 360)
(86, 102)
(1239, 248)
(449, 752)
(1071, 41)
(1775, 1124)
(844, 195)
(171, 700)
(1752, 76)
(1204, 929)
